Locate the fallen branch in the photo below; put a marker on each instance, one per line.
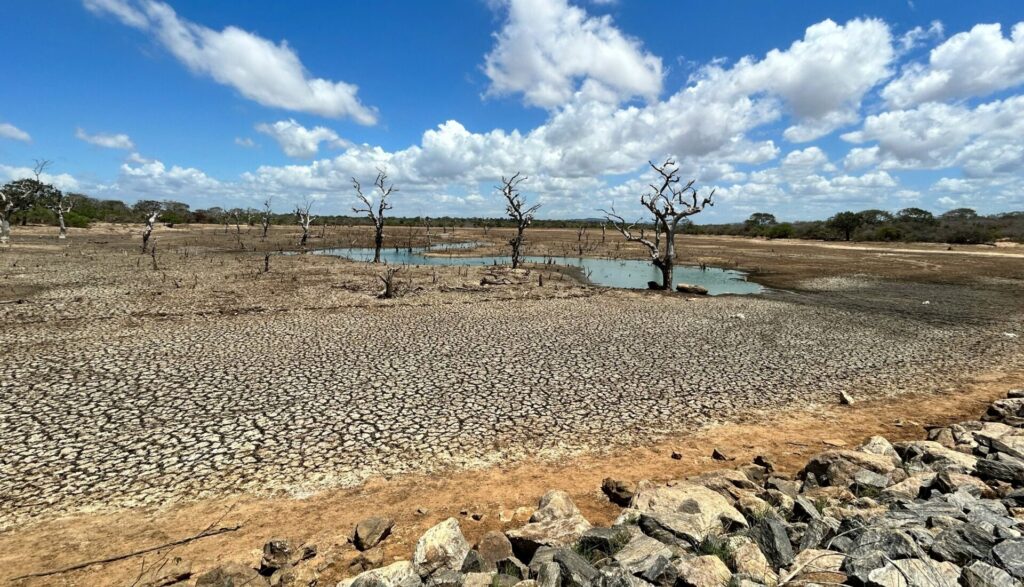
(204, 534)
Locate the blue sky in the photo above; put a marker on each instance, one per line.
(800, 109)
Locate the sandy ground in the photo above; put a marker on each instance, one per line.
(97, 291)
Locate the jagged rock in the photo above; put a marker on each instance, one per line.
(446, 579)
(982, 574)
(814, 566)
(277, 553)
(818, 531)
(770, 535)
(618, 492)
(488, 580)
(400, 574)
(557, 522)
(765, 462)
(528, 583)
(661, 572)
(704, 506)
(892, 542)
(1009, 554)
(512, 567)
(951, 482)
(491, 548)
(747, 559)
(724, 481)
(718, 455)
(369, 532)
(787, 486)
(878, 445)
(752, 506)
(1006, 410)
(755, 473)
(701, 571)
(780, 500)
(868, 482)
(604, 540)
(935, 456)
(837, 468)
(554, 505)
(442, 547)
(553, 533)
(474, 563)
(913, 572)
(549, 574)
(615, 577)
(575, 570)
(845, 399)
(1003, 467)
(910, 488)
(960, 545)
(232, 575)
(285, 576)
(640, 554)
(859, 568)
(804, 510)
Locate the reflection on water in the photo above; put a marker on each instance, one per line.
(624, 273)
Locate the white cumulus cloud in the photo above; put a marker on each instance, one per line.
(259, 69)
(548, 50)
(9, 131)
(298, 141)
(107, 141)
(973, 63)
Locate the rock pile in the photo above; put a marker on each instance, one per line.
(944, 511)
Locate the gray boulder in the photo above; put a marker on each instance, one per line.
(770, 535)
(982, 574)
(232, 575)
(575, 570)
(441, 548)
(369, 532)
(1009, 555)
(914, 572)
(557, 522)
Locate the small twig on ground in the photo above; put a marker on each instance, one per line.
(206, 533)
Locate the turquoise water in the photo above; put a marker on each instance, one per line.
(623, 273)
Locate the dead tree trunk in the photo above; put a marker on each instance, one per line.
(376, 216)
(305, 219)
(670, 205)
(514, 207)
(265, 218)
(390, 286)
(148, 231)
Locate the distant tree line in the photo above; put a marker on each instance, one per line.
(959, 226)
(29, 201)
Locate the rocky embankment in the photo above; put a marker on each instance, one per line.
(944, 511)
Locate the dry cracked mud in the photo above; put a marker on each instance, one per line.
(115, 413)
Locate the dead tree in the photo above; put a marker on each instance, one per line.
(514, 205)
(390, 285)
(50, 197)
(305, 219)
(377, 217)
(265, 217)
(60, 205)
(670, 205)
(20, 195)
(148, 230)
(426, 224)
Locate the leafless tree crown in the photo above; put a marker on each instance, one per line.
(375, 213)
(516, 209)
(670, 203)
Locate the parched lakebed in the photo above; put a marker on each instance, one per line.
(111, 413)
